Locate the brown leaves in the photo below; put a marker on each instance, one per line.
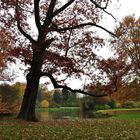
(4, 46)
(4, 53)
(24, 54)
(128, 42)
(114, 73)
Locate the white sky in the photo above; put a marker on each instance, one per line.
(119, 10)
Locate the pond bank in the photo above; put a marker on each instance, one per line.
(124, 113)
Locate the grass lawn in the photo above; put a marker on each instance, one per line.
(80, 129)
(123, 113)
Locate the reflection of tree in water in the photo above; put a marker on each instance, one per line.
(44, 115)
(64, 114)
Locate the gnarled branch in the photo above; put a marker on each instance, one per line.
(103, 8)
(82, 25)
(98, 6)
(56, 85)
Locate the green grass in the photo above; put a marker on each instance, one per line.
(82, 129)
(119, 109)
(128, 116)
(123, 113)
(67, 109)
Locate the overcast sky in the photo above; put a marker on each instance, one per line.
(122, 9)
(128, 7)
(119, 10)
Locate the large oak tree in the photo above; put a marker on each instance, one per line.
(61, 42)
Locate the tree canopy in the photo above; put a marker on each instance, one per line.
(4, 54)
(127, 45)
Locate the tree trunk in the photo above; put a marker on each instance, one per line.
(27, 111)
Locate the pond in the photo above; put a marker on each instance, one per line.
(77, 114)
(66, 113)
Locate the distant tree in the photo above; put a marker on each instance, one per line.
(113, 74)
(44, 95)
(21, 88)
(128, 43)
(58, 97)
(9, 98)
(44, 104)
(62, 43)
(129, 92)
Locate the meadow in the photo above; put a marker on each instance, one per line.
(70, 129)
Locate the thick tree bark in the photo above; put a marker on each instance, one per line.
(27, 111)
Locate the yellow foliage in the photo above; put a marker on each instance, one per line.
(44, 103)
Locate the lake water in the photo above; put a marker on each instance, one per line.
(44, 115)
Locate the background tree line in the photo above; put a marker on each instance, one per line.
(127, 97)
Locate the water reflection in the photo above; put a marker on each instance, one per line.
(58, 115)
(44, 115)
(69, 115)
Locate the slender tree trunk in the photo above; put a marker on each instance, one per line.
(27, 111)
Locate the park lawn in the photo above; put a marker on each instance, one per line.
(80, 129)
(123, 113)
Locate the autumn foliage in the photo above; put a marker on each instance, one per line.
(127, 45)
(4, 53)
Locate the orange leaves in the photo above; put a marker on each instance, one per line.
(129, 21)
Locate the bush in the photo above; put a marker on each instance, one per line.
(9, 99)
(112, 104)
(138, 104)
(102, 107)
(130, 104)
(118, 105)
(107, 106)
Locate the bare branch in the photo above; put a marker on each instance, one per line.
(56, 85)
(103, 8)
(98, 6)
(82, 25)
(63, 7)
(18, 24)
(37, 16)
